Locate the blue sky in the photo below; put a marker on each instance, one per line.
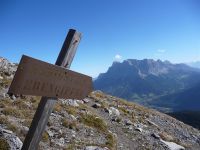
(112, 30)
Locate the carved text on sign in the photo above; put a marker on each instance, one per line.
(35, 77)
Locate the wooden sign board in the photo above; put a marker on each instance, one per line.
(35, 77)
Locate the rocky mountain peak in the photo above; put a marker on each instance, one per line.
(146, 67)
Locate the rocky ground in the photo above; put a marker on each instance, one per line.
(98, 122)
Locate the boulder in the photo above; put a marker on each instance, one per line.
(114, 111)
(156, 136)
(13, 141)
(70, 102)
(128, 122)
(96, 105)
(86, 100)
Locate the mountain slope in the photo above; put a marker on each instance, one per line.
(189, 117)
(187, 100)
(143, 80)
(99, 121)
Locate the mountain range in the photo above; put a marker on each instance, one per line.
(97, 122)
(195, 64)
(158, 84)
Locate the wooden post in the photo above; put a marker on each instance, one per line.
(46, 104)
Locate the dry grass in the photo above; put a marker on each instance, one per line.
(5, 102)
(69, 124)
(12, 112)
(71, 110)
(111, 142)
(5, 82)
(45, 137)
(93, 121)
(166, 137)
(57, 108)
(12, 127)
(27, 122)
(4, 145)
(97, 95)
(20, 104)
(123, 110)
(3, 120)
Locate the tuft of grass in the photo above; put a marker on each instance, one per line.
(110, 141)
(166, 137)
(124, 110)
(4, 144)
(27, 122)
(5, 82)
(5, 103)
(70, 125)
(104, 104)
(71, 110)
(12, 112)
(27, 114)
(20, 104)
(97, 95)
(71, 147)
(35, 101)
(3, 120)
(45, 137)
(12, 127)
(65, 122)
(93, 121)
(57, 108)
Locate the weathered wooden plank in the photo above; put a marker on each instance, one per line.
(35, 77)
(46, 104)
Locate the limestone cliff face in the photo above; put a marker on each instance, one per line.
(98, 122)
(148, 82)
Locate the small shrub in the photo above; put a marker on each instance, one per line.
(4, 145)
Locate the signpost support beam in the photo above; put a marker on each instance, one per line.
(46, 104)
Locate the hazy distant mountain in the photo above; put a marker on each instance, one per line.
(144, 80)
(195, 64)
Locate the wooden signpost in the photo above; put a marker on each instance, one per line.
(35, 77)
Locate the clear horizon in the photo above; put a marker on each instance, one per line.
(112, 31)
